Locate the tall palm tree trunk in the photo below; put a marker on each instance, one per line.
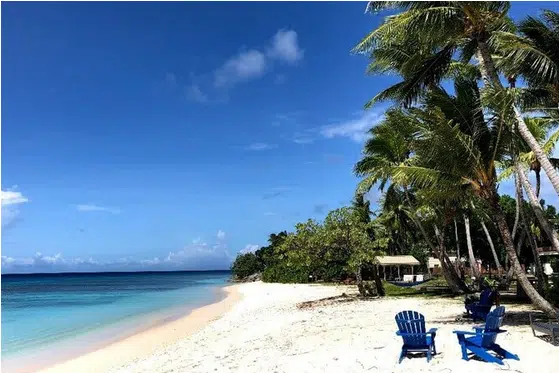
(457, 241)
(540, 275)
(458, 261)
(449, 272)
(518, 195)
(495, 256)
(471, 257)
(522, 279)
(538, 211)
(454, 281)
(510, 272)
(489, 73)
(538, 182)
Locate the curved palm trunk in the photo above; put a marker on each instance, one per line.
(510, 272)
(489, 73)
(449, 272)
(540, 275)
(454, 281)
(518, 193)
(495, 256)
(522, 279)
(538, 183)
(538, 211)
(471, 256)
(457, 241)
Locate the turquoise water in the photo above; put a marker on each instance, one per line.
(41, 312)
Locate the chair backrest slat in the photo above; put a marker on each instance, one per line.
(411, 322)
(493, 323)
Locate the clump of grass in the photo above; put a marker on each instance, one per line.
(392, 290)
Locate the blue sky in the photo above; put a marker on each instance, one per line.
(174, 135)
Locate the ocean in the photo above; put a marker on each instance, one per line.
(46, 315)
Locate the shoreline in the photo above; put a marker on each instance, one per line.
(146, 340)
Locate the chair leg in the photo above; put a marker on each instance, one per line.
(504, 353)
(434, 349)
(462, 342)
(402, 355)
(428, 355)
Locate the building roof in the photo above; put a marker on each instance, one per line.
(396, 260)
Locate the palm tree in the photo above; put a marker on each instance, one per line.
(539, 127)
(440, 30)
(481, 213)
(454, 162)
(361, 207)
(390, 146)
(471, 256)
(534, 55)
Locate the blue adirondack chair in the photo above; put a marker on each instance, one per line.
(482, 341)
(411, 327)
(479, 310)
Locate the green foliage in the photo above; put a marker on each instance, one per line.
(329, 251)
(246, 265)
(282, 272)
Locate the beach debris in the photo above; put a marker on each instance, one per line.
(344, 298)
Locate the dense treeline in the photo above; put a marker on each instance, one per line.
(477, 103)
(391, 232)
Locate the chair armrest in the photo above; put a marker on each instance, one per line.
(463, 332)
(432, 331)
(412, 334)
(482, 332)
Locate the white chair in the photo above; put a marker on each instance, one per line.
(408, 278)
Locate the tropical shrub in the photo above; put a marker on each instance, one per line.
(246, 265)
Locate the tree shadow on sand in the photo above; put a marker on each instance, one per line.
(512, 318)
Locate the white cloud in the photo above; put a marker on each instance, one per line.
(12, 197)
(302, 138)
(250, 248)
(244, 66)
(96, 208)
(220, 235)
(40, 262)
(258, 146)
(255, 63)
(198, 255)
(354, 129)
(285, 47)
(194, 93)
(10, 201)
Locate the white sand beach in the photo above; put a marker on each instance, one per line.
(266, 332)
